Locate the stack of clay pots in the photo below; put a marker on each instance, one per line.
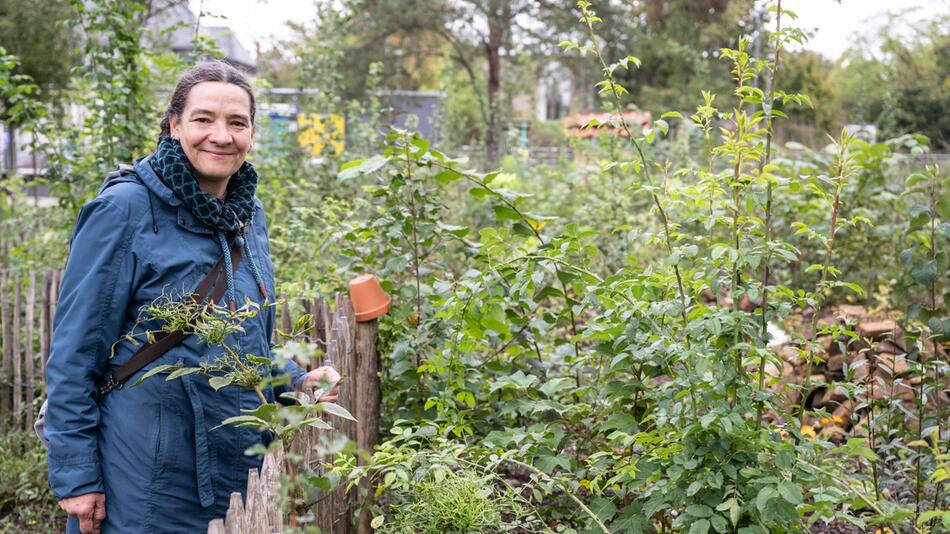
(875, 365)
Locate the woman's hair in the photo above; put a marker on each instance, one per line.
(206, 71)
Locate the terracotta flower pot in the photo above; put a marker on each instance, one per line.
(369, 299)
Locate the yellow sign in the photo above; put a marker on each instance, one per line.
(317, 130)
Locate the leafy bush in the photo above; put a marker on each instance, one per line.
(451, 503)
(26, 501)
(608, 350)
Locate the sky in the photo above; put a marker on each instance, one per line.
(833, 25)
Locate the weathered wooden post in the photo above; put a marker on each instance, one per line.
(286, 324)
(367, 404)
(217, 527)
(46, 322)
(370, 303)
(28, 353)
(270, 488)
(235, 521)
(7, 337)
(256, 518)
(17, 359)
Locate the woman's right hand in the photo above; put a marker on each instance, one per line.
(90, 509)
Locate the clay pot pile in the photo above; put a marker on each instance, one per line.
(851, 370)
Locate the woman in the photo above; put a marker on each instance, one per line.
(149, 458)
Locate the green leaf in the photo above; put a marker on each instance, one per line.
(914, 179)
(790, 492)
(264, 411)
(504, 213)
(522, 229)
(521, 380)
(929, 515)
(465, 397)
(479, 192)
(693, 489)
(316, 422)
(925, 272)
(337, 410)
(907, 255)
(377, 522)
(548, 292)
(218, 382)
(182, 372)
(495, 320)
(699, 510)
(719, 523)
(154, 371)
(422, 145)
(554, 386)
(243, 421)
(762, 499)
(356, 168)
(457, 231)
(699, 527)
(858, 290)
(726, 504)
(298, 396)
(940, 327)
(447, 176)
(547, 463)
(302, 322)
(603, 508)
(260, 360)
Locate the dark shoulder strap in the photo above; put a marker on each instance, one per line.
(211, 288)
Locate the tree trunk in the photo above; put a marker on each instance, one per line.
(499, 15)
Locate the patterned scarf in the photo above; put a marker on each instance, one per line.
(174, 170)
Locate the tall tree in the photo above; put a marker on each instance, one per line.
(37, 34)
(678, 42)
(676, 39)
(41, 35)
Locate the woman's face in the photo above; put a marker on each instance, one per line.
(215, 129)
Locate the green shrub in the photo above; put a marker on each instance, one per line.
(462, 503)
(26, 502)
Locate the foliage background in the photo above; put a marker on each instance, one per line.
(567, 335)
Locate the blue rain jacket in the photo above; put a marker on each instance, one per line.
(152, 448)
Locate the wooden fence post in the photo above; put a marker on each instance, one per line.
(46, 323)
(7, 337)
(28, 353)
(286, 324)
(54, 297)
(235, 522)
(17, 359)
(367, 405)
(216, 527)
(256, 520)
(270, 488)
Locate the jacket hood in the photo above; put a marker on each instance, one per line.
(151, 180)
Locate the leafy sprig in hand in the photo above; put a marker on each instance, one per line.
(214, 325)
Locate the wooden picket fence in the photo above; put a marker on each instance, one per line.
(27, 308)
(351, 348)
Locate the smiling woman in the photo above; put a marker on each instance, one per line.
(215, 131)
(144, 458)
